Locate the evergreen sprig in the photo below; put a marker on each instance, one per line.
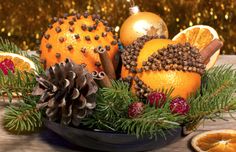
(16, 85)
(112, 104)
(215, 96)
(111, 113)
(20, 83)
(153, 122)
(23, 118)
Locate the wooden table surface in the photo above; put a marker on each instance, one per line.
(47, 141)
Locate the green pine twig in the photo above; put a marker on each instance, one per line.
(215, 97)
(112, 104)
(111, 113)
(153, 122)
(22, 119)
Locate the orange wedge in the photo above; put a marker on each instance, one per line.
(215, 141)
(199, 36)
(21, 63)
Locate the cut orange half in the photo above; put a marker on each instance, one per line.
(215, 141)
(199, 36)
(21, 63)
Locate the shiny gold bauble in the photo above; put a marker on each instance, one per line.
(142, 23)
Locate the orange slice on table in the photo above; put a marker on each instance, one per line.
(21, 63)
(199, 36)
(215, 141)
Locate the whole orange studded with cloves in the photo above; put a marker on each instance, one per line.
(78, 37)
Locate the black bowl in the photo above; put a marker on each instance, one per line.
(111, 141)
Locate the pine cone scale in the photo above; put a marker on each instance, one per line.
(82, 102)
(75, 94)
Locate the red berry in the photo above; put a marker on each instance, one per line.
(157, 98)
(135, 109)
(180, 106)
(7, 65)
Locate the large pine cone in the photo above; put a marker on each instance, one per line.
(67, 93)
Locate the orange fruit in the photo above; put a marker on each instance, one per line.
(184, 83)
(21, 63)
(215, 141)
(199, 36)
(78, 38)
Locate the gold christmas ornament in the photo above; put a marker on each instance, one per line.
(142, 23)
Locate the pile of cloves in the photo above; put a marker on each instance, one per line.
(131, 53)
(181, 57)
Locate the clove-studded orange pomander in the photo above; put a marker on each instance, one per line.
(78, 37)
(151, 64)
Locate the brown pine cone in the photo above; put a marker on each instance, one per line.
(67, 93)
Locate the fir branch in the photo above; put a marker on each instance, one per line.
(20, 83)
(17, 84)
(152, 123)
(25, 117)
(22, 119)
(215, 96)
(112, 108)
(112, 104)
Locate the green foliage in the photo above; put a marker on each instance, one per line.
(112, 104)
(23, 118)
(20, 83)
(16, 85)
(215, 96)
(112, 108)
(153, 122)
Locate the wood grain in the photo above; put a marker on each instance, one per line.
(47, 141)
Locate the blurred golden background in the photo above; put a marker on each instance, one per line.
(24, 21)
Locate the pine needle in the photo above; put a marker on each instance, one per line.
(215, 96)
(112, 108)
(22, 119)
(20, 83)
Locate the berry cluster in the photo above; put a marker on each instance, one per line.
(7, 65)
(158, 99)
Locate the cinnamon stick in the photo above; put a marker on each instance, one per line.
(103, 80)
(107, 64)
(95, 74)
(210, 49)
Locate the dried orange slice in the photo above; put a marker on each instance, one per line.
(199, 36)
(21, 63)
(215, 141)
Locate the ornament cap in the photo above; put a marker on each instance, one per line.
(134, 10)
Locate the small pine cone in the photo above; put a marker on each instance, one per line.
(67, 93)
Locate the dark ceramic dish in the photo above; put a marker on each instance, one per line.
(111, 141)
